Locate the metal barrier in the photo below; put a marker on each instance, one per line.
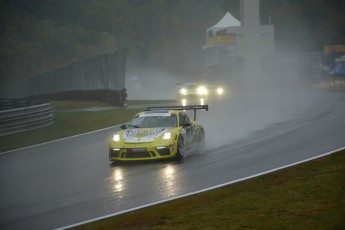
(27, 118)
(330, 84)
(6, 103)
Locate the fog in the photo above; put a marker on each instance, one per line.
(254, 104)
(268, 91)
(231, 120)
(151, 84)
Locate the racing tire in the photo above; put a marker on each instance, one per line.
(201, 144)
(181, 151)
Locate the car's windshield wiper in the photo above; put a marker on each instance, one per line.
(135, 126)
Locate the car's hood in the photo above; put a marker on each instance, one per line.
(142, 135)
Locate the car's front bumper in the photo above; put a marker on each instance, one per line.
(139, 152)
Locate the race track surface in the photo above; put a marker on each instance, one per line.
(71, 180)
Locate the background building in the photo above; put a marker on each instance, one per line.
(231, 43)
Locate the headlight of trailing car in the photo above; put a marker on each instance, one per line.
(202, 90)
(116, 138)
(220, 91)
(166, 136)
(183, 91)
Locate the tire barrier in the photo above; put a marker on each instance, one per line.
(27, 118)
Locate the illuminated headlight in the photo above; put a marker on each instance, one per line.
(183, 91)
(166, 136)
(116, 138)
(220, 91)
(202, 90)
(184, 102)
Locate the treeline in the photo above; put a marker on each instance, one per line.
(38, 35)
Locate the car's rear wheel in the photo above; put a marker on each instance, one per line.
(201, 144)
(181, 151)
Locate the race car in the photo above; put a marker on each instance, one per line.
(199, 90)
(158, 133)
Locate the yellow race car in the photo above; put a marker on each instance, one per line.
(158, 133)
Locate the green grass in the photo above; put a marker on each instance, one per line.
(68, 123)
(73, 105)
(307, 196)
(142, 102)
(69, 105)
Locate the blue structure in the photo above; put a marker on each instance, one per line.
(339, 68)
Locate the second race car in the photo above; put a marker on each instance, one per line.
(199, 90)
(158, 133)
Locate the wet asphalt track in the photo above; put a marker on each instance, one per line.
(71, 180)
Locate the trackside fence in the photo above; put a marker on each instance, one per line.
(27, 118)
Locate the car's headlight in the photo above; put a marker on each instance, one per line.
(166, 136)
(220, 91)
(116, 138)
(201, 90)
(183, 91)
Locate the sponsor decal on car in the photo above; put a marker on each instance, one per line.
(143, 132)
(155, 115)
(143, 135)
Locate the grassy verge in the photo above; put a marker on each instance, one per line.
(69, 105)
(141, 102)
(307, 196)
(68, 123)
(73, 105)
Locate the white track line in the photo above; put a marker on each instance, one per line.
(203, 190)
(61, 139)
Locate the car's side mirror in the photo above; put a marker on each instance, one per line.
(123, 126)
(186, 124)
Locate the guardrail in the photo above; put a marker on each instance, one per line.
(27, 118)
(333, 84)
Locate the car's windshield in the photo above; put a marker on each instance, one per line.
(190, 86)
(153, 120)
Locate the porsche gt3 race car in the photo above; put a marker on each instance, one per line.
(158, 133)
(199, 90)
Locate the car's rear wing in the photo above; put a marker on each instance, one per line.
(179, 107)
(188, 83)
